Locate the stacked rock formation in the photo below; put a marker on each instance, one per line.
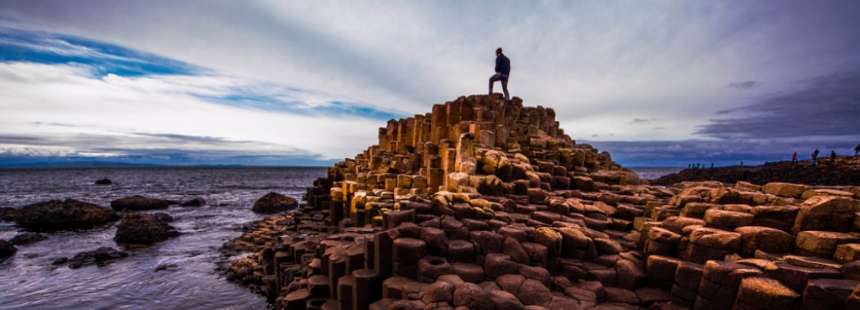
(487, 204)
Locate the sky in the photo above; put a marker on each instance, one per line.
(655, 83)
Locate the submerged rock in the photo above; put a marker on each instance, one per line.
(144, 228)
(6, 249)
(137, 203)
(27, 238)
(66, 214)
(194, 202)
(104, 182)
(274, 202)
(99, 257)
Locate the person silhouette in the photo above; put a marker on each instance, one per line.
(503, 70)
(815, 157)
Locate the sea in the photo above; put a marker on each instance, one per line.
(188, 277)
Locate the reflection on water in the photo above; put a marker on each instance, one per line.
(189, 279)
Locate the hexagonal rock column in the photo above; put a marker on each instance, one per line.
(407, 252)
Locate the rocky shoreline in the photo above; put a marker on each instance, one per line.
(483, 204)
(844, 171)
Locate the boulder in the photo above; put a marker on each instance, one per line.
(779, 217)
(826, 192)
(823, 243)
(6, 249)
(767, 239)
(104, 182)
(727, 219)
(826, 213)
(503, 300)
(439, 291)
(274, 203)
(472, 296)
(765, 293)
(144, 228)
(716, 238)
(194, 202)
(827, 294)
(848, 252)
(99, 257)
(138, 203)
(781, 189)
(56, 215)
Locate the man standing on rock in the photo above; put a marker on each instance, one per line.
(503, 69)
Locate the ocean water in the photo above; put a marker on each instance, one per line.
(29, 281)
(651, 173)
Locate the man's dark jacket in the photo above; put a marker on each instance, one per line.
(503, 64)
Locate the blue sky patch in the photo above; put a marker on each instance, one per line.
(101, 58)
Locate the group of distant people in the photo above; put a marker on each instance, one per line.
(698, 166)
(816, 152)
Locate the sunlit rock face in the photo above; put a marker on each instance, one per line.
(488, 204)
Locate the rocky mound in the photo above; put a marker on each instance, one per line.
(843, 171)
(484, 204)
(58, 215)
(103, 182)
(144, 228)
(274, 202)
(138, 203)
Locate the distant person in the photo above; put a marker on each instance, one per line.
(857, 150)
(832, 156)
(503, 70)
(712, 165)
(742, 163)
(794, 158)
(815, 157)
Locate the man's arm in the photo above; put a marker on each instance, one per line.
(498, 64)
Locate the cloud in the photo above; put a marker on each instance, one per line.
(744, 84)
(63, 106)
(590, 61)
(69, 96)
(323, 75)
(827, 105)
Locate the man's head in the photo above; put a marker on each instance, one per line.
(498, 51)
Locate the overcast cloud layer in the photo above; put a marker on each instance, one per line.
(310, 81)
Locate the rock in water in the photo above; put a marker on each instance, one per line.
(137, 203)
(104, 182)
(273, 203)
(144, 228)
(6, 250)
(58, 215)
(27, 238)
(100, 257)
(195, 202)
